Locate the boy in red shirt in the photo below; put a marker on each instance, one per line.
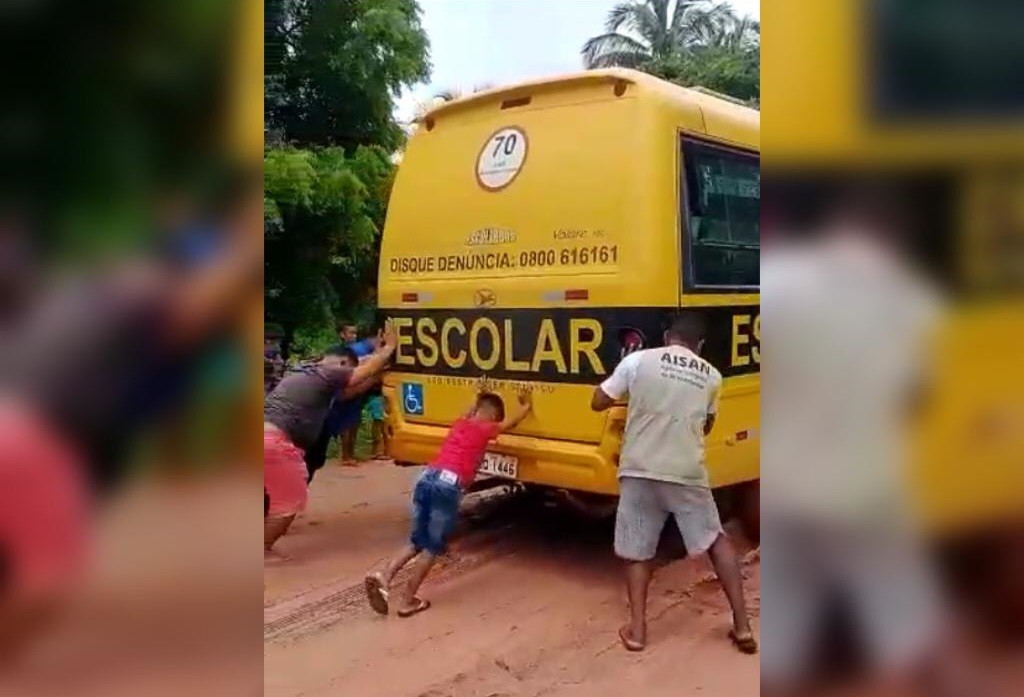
(437, 494)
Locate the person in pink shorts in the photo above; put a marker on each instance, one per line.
(293, 416)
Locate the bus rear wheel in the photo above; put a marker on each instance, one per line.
(748, 509)
(742, 502)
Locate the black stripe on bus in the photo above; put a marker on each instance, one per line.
(569, 345)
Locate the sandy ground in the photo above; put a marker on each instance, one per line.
(527, 603)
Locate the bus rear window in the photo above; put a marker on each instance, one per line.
(722, 210)
(944, 60)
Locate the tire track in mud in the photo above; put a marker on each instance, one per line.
(487, 533)
(493, 526)
(295, 618)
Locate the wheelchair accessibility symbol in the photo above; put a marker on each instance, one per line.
(412, 398)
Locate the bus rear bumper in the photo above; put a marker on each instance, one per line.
(558, 464)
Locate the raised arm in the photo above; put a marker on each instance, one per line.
(600, 401)
(617, 385)
(522, 410)
(357, 389)
(376, 362)
(212, 294)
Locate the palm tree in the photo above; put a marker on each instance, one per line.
(640, 32)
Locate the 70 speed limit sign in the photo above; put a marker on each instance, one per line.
(501, 158)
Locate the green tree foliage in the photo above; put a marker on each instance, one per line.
(323, 212)
(332, 71)
(334, 68)
(111, 109)
(690, 42)
(736, 73)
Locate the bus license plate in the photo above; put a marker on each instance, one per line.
(500, 465)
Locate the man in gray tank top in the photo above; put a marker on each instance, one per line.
(673, 399)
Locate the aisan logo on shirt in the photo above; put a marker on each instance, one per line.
(691, 362)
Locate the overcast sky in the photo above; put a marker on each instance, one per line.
(498, 42)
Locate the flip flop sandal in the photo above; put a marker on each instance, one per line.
(419, 607)
(630, 643)
(376, 594)
(747, 644)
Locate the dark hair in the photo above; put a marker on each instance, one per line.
(494, 402)
(343, 351)
(344, 324)
(687, 327)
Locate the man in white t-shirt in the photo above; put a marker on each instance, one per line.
(840, 391)
(673, 398)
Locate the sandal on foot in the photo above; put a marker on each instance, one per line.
(419, 606)
(376, 594)
(629, 642)
(746, 644)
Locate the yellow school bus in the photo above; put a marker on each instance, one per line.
(869, 90)
(537, 233)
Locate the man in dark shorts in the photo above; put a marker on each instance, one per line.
(345, 404)
(373, 401)
(347, 416)
(293, 416)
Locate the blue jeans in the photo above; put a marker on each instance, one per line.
(435, 509)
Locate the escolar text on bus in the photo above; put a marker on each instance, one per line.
(486, 345)
(559, 344)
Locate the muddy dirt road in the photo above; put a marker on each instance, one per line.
(527, 604)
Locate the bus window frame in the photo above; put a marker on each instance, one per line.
(686, 243)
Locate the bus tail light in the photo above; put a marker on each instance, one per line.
(738, 437)
(410, 297)
(630, 340)
(578, 294)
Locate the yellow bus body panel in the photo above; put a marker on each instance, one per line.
(966, 471)
(593, 210)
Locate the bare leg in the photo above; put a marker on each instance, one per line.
(348, 445)
(378, 584)
(727, 567)
(420, 569)
(273, 529)
(638, 580)
(398, 563)
(378, 440)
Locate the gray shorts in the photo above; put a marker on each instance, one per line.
(883, 578)
(645, 505)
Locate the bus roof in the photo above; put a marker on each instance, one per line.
(719, 107)
(834, 111)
